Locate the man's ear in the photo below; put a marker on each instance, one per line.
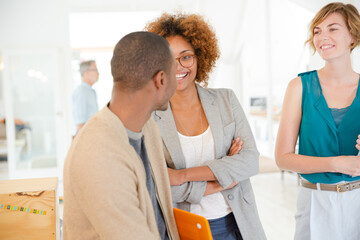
(159, 79)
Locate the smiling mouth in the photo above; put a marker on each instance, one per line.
(324, 47)
(181, 76)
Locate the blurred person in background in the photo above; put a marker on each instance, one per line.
(84, 100)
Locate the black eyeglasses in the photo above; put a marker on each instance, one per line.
(186, 61)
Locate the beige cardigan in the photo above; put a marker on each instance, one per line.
(105, 194)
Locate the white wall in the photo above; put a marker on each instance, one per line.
(35, 23)
(41, 24)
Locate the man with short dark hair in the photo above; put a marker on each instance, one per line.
(84, 100)
(116, 184)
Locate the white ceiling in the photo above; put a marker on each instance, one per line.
(137, 5)
(171, 5)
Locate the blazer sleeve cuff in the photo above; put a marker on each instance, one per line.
(197, 192)
(191, 192)
(223, 179)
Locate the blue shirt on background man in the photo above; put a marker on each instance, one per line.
(84, 100)
(84, 103)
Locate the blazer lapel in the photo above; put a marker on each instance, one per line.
(166, 123)
(212, 113)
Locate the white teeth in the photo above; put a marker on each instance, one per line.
(181, 75)
(326, 46)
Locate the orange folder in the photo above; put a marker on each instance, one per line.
(192, 226)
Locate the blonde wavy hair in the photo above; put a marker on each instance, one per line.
(347, 11)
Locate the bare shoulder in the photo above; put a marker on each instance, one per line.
(294, 89)
(295, 84)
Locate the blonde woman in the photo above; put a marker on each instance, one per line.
(322, 108)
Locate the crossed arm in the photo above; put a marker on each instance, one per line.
(225, 172)
(204, 173)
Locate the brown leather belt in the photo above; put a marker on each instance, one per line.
(340, 188)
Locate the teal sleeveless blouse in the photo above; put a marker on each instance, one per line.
(319, 136)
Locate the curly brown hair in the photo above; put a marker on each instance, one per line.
(348, 12)
(197, 32)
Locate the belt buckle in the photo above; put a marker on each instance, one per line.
(338, 187)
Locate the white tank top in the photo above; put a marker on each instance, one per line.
(197, 150)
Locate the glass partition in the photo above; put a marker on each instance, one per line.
(30, 83)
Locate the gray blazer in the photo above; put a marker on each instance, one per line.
(227, 121)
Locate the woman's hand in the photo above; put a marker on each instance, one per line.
(349, 165)
(358, 143)
(176, 177)
(235, 146)
(180, 176)
(232, 185)
(214, 187)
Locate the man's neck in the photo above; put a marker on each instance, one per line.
(133, 109)
(87, 81)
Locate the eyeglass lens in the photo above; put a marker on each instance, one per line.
(186, 61)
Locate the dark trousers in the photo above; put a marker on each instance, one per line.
(225, 228)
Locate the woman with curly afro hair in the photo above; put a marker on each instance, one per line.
(208, 145)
